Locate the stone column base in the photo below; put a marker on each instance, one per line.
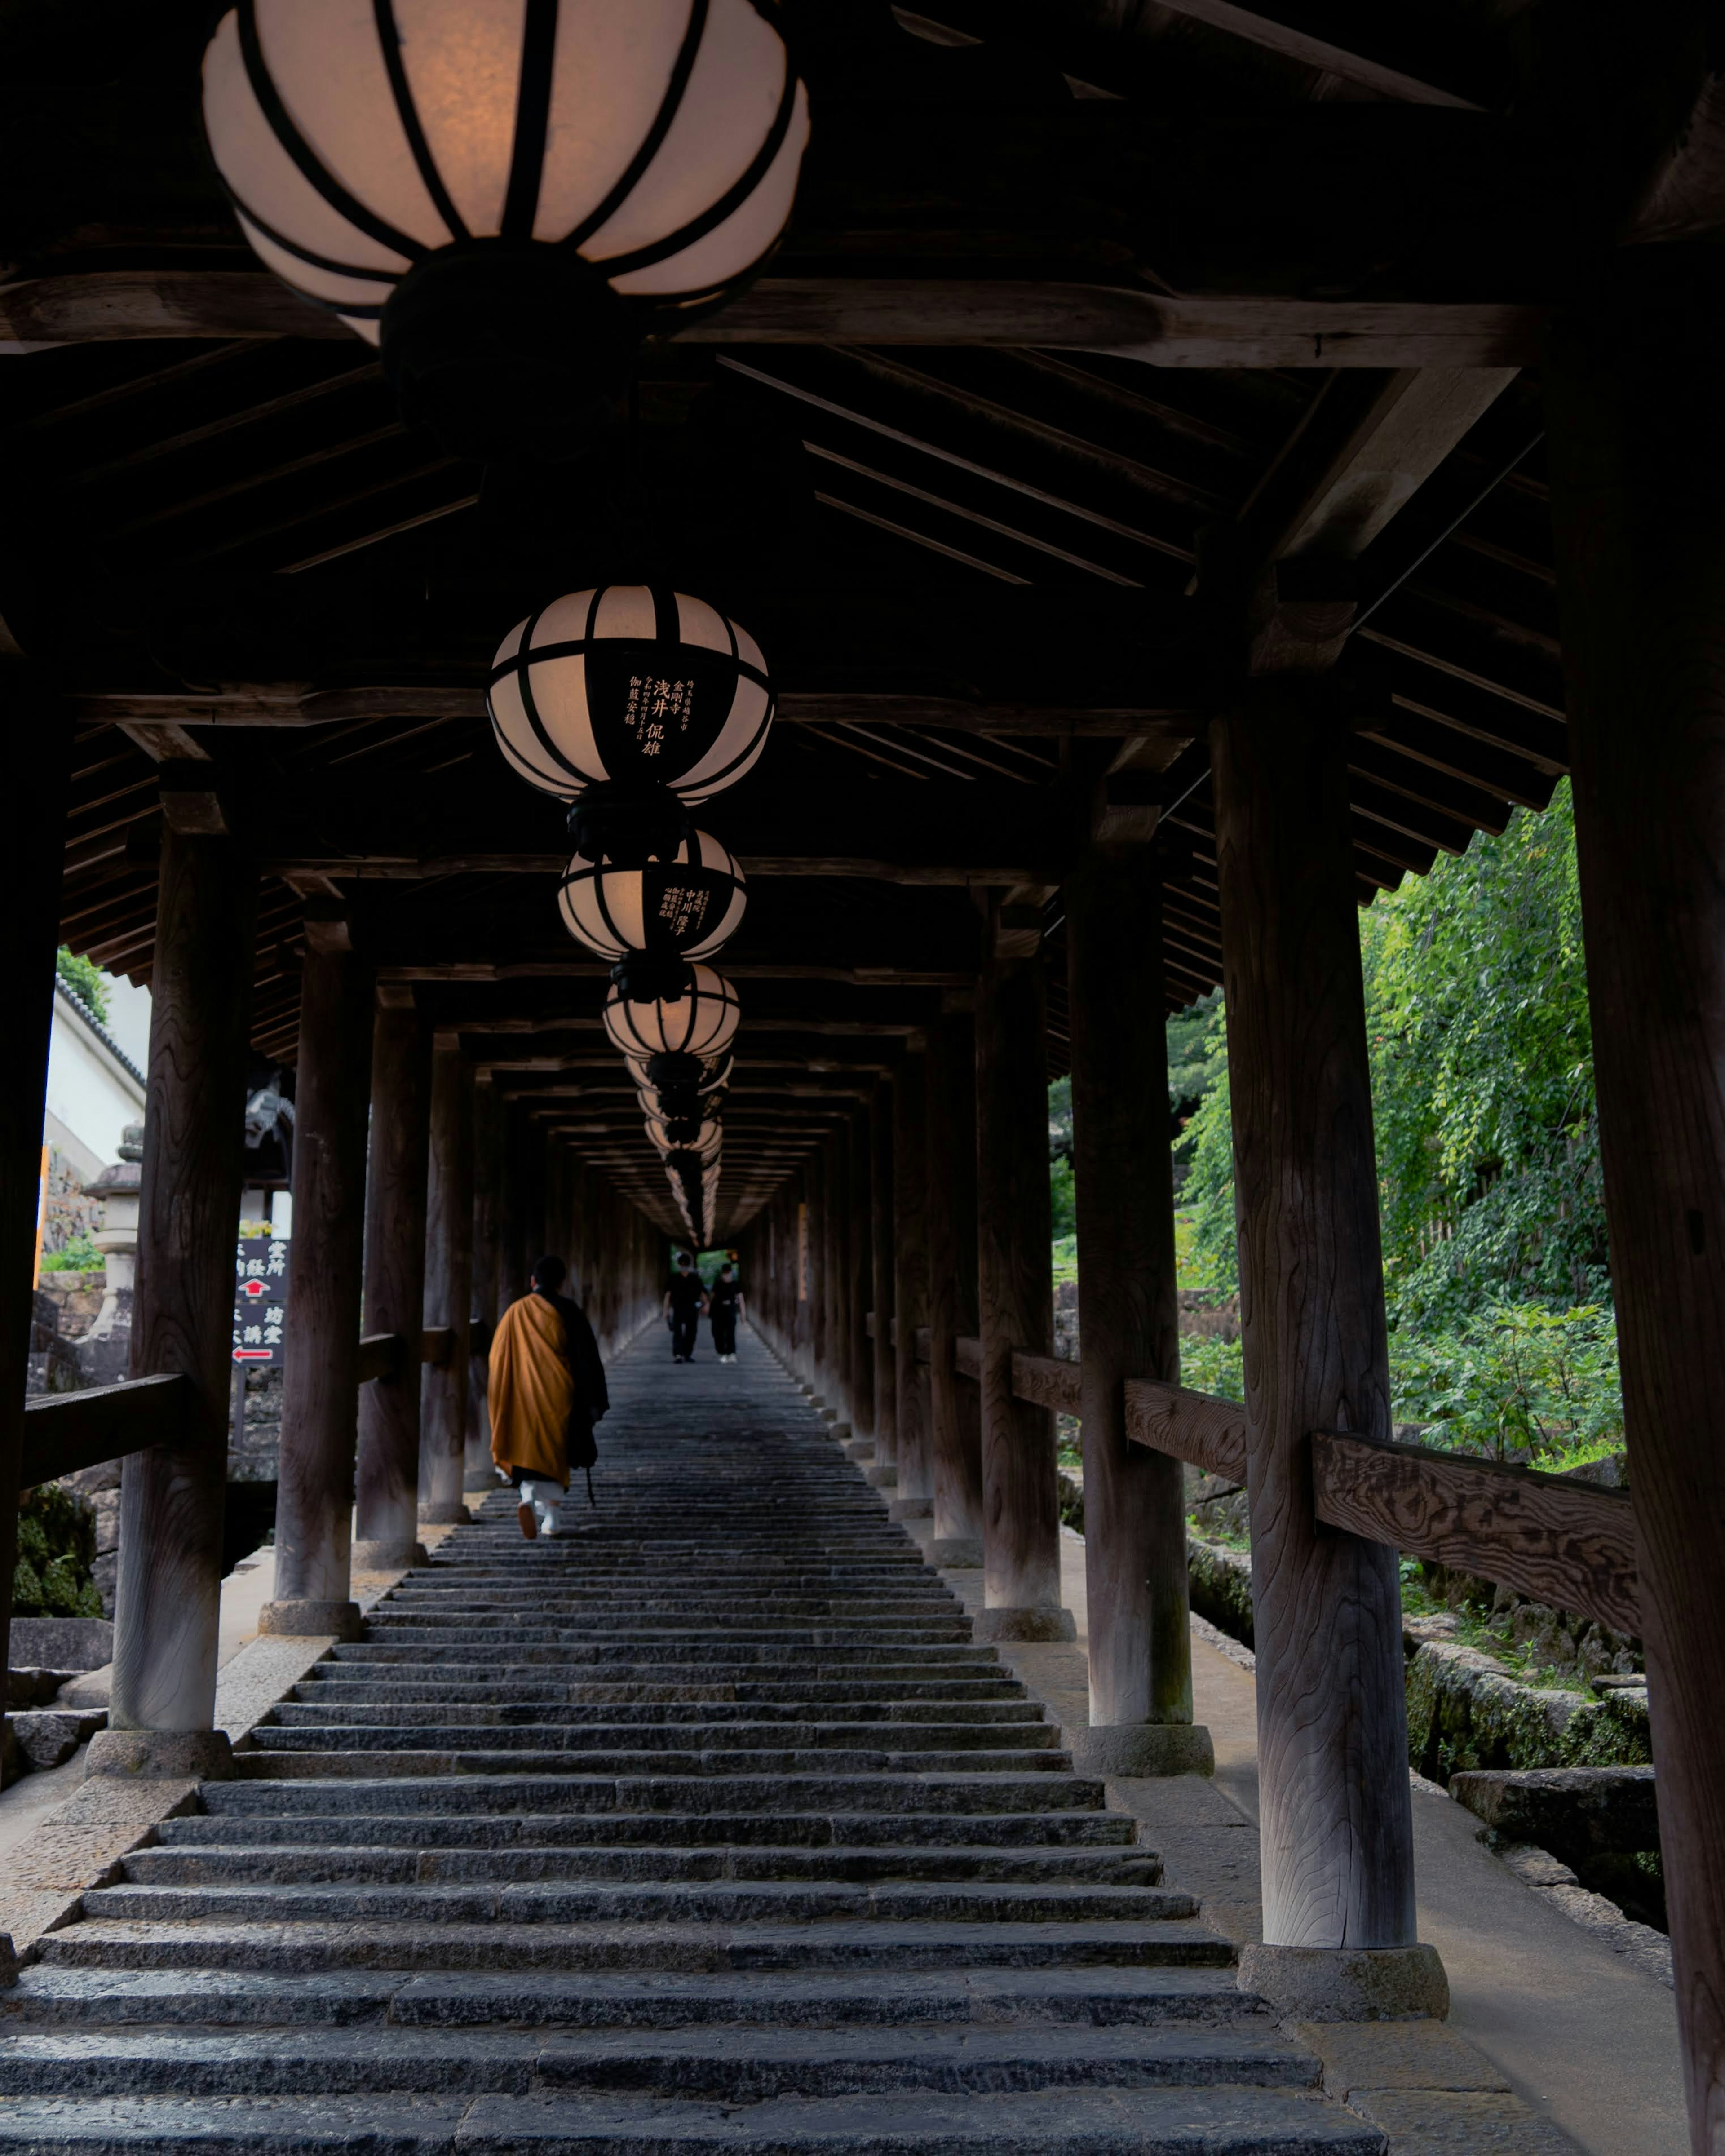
(883, 1474)
(910, 1508)
(1348, 1983)
(454, 1515)
(1026, 1625)
(308, 1620)
(861, 1447)
(840, 1432)
(154, 1755)
(956, 1553)
(1142, 1749)
(388, 1557)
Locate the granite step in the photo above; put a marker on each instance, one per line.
(919, 1833)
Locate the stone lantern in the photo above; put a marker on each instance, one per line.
(105, 1352)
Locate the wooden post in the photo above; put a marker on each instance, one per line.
(33, 814)
(816, 1179)
(514, 1258)
(955, 1436)
(885, 1470)
(1335, 1832)
(319, 1397)
(838, 1384)
(915, 1498)
(1637, 462)
(386, 1527)
(1021, 1511)
(859, 1263)
(167, 1597)
(1139, 1641)
(449, 1283)
(487, 1182)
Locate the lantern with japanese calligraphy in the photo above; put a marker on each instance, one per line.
(700, 1021)
(507, 198)
(650, 920)
(634, 703)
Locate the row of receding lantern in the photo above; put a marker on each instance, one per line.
(505, 199)
(636, 704)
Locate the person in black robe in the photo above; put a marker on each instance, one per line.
(725, 1306)
(685, 1299)
(592, 1397)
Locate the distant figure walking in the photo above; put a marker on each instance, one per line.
(547, 1390)
(685, 1299)
(725, 1302)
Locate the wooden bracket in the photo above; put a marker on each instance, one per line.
(190, 804)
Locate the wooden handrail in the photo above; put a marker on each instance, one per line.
(64, 1432)
(1567, 1544)
(379, 1356)
(437, 1344)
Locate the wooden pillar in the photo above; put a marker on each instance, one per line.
(33, 814)
(487, 1181)
(1335, 1827)
(860, 1282)
(449, 1283)
(167, 1597)
(513, 1257)
(915, 1498)
(387, 1525)
(1637, 464)
(1021, 1514)
(838, 1380)
(954, 1408)
(819, 1375)
(1139, 1641)
(320, 1393)
(880, 1196)
(533, 1196)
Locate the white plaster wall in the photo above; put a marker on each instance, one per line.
(89, 1096)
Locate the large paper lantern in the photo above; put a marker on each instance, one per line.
(505, 195)
(650, 919)
(701, 1021)
(628, 687)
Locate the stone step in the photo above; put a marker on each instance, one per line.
(951, 1716)
(714, 1658)
(924, 1832)
(271, 1761)
(284, 1948)
(63, 1997)
(1227, 2121)
(382, 1863)
(844, 1792)
(718, 1902)
(683, 2063)
(384, 1732)
(324, 1687)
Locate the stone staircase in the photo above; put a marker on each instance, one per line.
(703, 1827)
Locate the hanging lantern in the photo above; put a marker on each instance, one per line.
(650, 919)
(702, 1144)
(632, 689)
(507, 198)
(701, 1021)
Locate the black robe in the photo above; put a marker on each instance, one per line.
(591, 1399)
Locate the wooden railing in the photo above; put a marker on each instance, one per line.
(66, 1431)
(1562, 1542)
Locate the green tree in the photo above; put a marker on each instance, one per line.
(85, 979)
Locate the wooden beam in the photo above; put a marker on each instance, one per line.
(1046, 1382)
(1211, 1433)
(1255, 26)
(1202, 331)
(1557, 1540)
(65, 1432)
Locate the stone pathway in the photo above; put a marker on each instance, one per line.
(705, 1827)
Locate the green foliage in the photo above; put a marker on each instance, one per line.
(1062, 1203)
(1207, 1193)
(56, 1545)
(1213, 1366)
(1517, 1379)
(1482, 1080)
(77, 1255)
(1060, 1120)
(1065, 1258)
(85, 979)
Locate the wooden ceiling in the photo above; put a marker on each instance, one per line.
(952, 464)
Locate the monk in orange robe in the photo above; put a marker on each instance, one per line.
(544, 1387)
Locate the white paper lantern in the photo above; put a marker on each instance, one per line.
(653, 143)
(688, 907)
(704, 1147)
(702, 1021)
(629, 686)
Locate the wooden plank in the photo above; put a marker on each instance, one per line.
(1558, 1541)
(968, 1357)
(1196, 1426)
(1046, 1381)
(379, 1356)
(437, 1344)
(1254, 26)
(64, 1432)
(1202, 329)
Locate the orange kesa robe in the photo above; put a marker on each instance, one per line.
(531, 1390)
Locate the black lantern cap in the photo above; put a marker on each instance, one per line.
(651, 977)
(628, 821)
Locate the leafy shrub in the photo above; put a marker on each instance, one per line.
(77, 1255)
(56, 1546)
(85, 979)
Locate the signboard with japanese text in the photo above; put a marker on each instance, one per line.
(259, 1299)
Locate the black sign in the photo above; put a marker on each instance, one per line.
(259, 1299)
